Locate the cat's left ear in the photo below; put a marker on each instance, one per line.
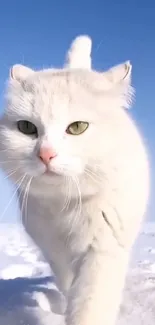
(20, 72)
(120, 73)
(118, 79)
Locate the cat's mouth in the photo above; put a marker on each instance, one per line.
(51, 173)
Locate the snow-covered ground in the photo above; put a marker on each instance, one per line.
(25, 277)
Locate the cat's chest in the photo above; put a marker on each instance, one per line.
(68, 230)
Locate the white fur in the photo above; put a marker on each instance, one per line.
(79, 54)
(85, 213)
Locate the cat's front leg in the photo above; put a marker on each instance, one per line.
(95, 295)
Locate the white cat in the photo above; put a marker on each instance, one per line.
(82, 176)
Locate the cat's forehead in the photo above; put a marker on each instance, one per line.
(60, 92)
(61, 81)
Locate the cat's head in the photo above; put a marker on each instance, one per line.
(57, 122)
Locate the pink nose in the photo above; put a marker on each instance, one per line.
(46, 154)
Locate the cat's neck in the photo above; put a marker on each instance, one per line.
(61, 187)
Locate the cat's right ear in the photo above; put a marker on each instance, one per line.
(20, 72)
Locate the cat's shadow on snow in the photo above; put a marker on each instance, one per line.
(19, 296)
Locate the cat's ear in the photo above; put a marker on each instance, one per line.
(119, 80)
(119, 73)
(79, 54)
(20, 72)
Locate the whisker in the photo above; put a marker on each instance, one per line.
(20, 192)
(25, 201)
(23, 191)
(67, 199)
(10, 174)
(28, 190)
(69, 193)
(94, 176)
(5, 161)
(78, 205)
(19, 184)
(11, 160)
(6, 150)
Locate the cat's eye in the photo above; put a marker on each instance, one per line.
(27, 127)
(77, 127)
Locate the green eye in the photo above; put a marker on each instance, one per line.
(77, 128)
(27, 127)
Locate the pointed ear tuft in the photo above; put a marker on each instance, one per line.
(20, 72)
(79, 54)
(119, 73)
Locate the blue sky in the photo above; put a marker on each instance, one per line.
(38, 33)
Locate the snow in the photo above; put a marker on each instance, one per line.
(26, 282)
(14, 271)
